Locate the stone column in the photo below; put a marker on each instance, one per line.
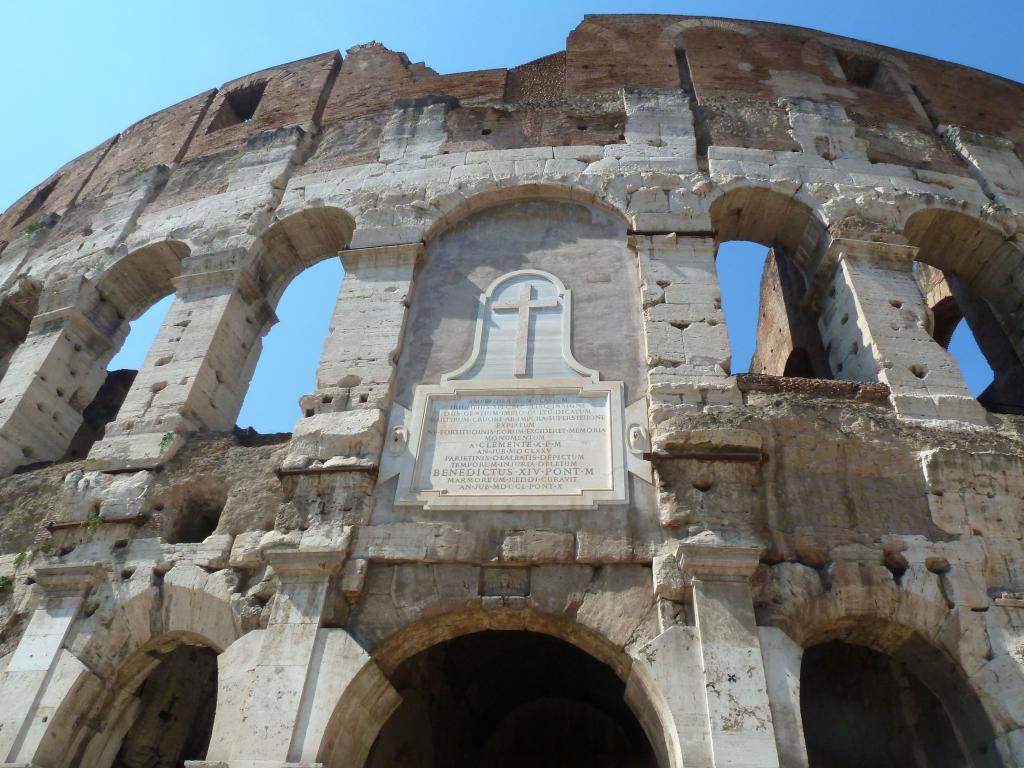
(196, 374)
(874, 326)
(42, 674)
(343, 420)
(736, 691)
(280, 688)
(688, 352)
(55, 373)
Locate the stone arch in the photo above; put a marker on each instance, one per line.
(980, 269)
(792, 227)
(765, 215)
(672, 35)
(191, 609)
(913, 630)
(552, 228)
(120, 711)
(124, 291)
(141, 278)
(297, 241)
(452, 212)
(293, 244)
(591, 35)
(189, 602)
(350, 733)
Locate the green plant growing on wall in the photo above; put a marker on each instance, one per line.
(93, 523)
(35, 226)
(166, 440)
(5, 584)
(28, 555)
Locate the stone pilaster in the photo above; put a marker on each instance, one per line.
(55, 373)
(708, 681)
(197, 371)
(782, 660)
(41, 674)
(739, 715)
(280, 688)
(874, 326)
(343, 420)
(688, 353)
(668, 671)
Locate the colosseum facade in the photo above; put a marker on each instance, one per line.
(527, 515)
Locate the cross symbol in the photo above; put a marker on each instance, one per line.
(522, 304)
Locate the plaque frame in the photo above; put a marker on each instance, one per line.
(404, 447)
(408, 471)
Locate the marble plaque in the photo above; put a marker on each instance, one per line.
(521, 424)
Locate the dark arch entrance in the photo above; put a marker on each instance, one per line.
(864, 708)
(175, 716)
(502, 699)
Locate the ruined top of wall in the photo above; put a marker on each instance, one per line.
(741, 74)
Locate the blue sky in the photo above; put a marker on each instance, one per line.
(77, 73)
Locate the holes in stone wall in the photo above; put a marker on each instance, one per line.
(238, 106)
(192, 512)
(857, 69)
(866, 72)
(920, 370)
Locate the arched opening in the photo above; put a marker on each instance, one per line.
(288, 363)
(767, 242)
(977, 371)
(965, 325)
(139, 289)
(17, 309)
(970, 275)
(155, 710)
(120, 374)
(861, 707)
(740, 265)
(300, 275)
(174, 715)
(509, 698)
(799, 364)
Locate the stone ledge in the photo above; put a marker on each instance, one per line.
(871, 391)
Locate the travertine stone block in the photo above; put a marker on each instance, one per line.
(189, 379)
(685, 328)
(55, 374)
(874, 324)
(735, 685)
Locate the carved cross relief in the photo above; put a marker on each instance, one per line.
(522, 304)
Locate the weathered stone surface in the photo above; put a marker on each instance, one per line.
(780, 550)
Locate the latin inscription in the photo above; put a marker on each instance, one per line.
(522, 443)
